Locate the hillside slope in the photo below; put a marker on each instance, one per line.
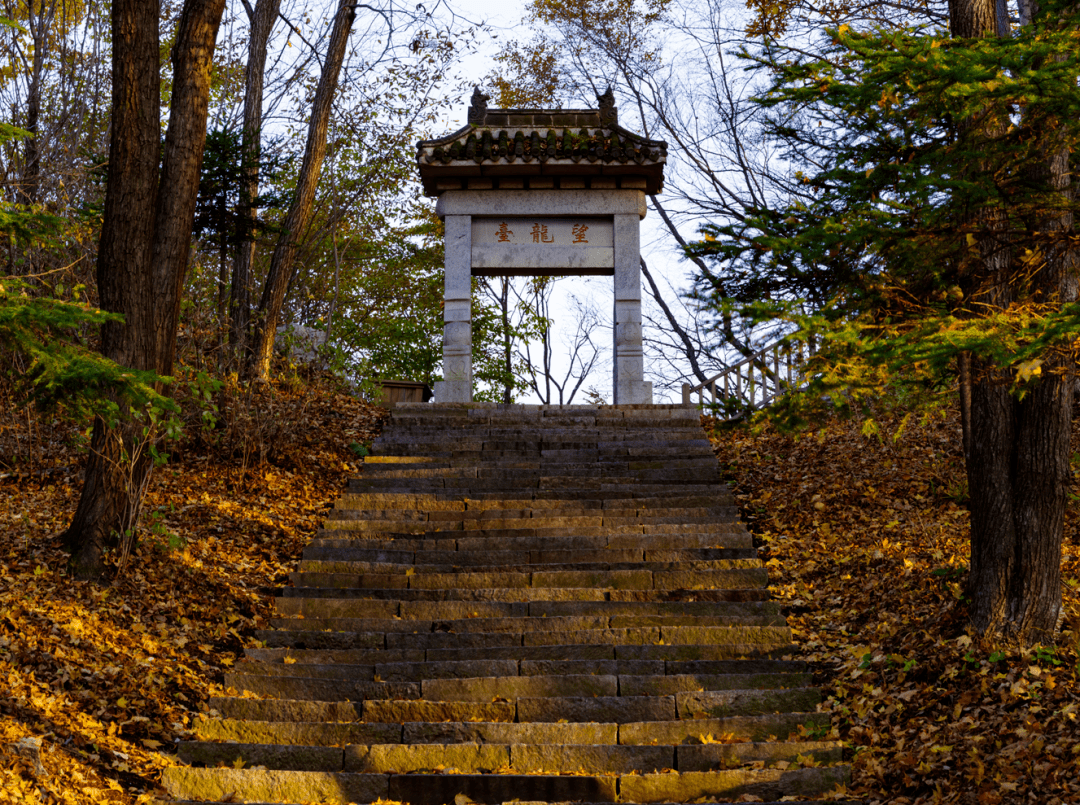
(108, 677)
(866, 540)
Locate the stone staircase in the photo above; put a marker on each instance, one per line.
(522, 603)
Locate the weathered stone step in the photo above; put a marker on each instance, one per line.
(514, 480)
(470, 519)
(484, 757)
(337, 734)
(344, 528)
(535, 756)
(430, 718)
(550, 462)
(407, 551)
(628, 579)
(439, 789)
(530, 525)
(530, 593)
(623, 710)
(501, 562)
(720, 496)
(735, 537)
(635, 678)
(749, 640)
(570, 462)
(583, 698)
(747, 628)
(628, 489)
(436, 436)
(768, 611)
(535, 660)
(618, 495)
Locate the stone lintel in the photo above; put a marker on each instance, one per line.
(566, 259)
(559, 203)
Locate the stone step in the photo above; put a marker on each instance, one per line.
(490, 530)
(536, 660)
(532, 757)
(438, 789)
(628, 579)
(414, 551)
(433, 436)
(515, 480)
(571, 525)
(737, 639)
(650, 678)
(737, 537)
(424, 504)
(613, 490)
(532, 562)
(361, 559)
(747, 628)
(745, 594)
(570, 462)
(472, 518)
(315, 733)
(430, 718)
(768, 611)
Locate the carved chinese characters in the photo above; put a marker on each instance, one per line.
(542, 231)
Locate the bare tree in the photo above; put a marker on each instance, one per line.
(556, 373)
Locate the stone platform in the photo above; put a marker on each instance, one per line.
(522, 603)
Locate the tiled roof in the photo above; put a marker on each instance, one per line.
(508, 146)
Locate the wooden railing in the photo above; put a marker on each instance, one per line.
(754, 382)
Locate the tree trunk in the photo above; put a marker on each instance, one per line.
(1018, 446)
(142, 258)
(39, 25)
(299, 216)
(262, 24)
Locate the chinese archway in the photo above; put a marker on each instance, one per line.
(529, 192)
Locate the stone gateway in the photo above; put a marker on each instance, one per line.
(530, 192)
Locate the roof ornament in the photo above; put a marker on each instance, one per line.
(609, 115)
(478, 110)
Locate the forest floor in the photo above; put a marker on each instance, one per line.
(109, 676)
(865, 539)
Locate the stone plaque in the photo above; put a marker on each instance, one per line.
(572, 246)
(579, 232)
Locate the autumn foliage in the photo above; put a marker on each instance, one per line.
(866, 537)
(109, 676)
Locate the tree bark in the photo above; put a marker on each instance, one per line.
(142, 258)
(262, 24)
(299, 216)
(1017, 450)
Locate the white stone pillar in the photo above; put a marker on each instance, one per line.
(456, 385)
(629, 364)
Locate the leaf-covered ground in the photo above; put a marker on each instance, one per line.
(866, 540)
(108, 677)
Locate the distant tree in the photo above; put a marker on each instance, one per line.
(224, 213)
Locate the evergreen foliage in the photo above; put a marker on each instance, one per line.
(49, 333)
(923, 159)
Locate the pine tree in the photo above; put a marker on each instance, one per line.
(939, 220)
